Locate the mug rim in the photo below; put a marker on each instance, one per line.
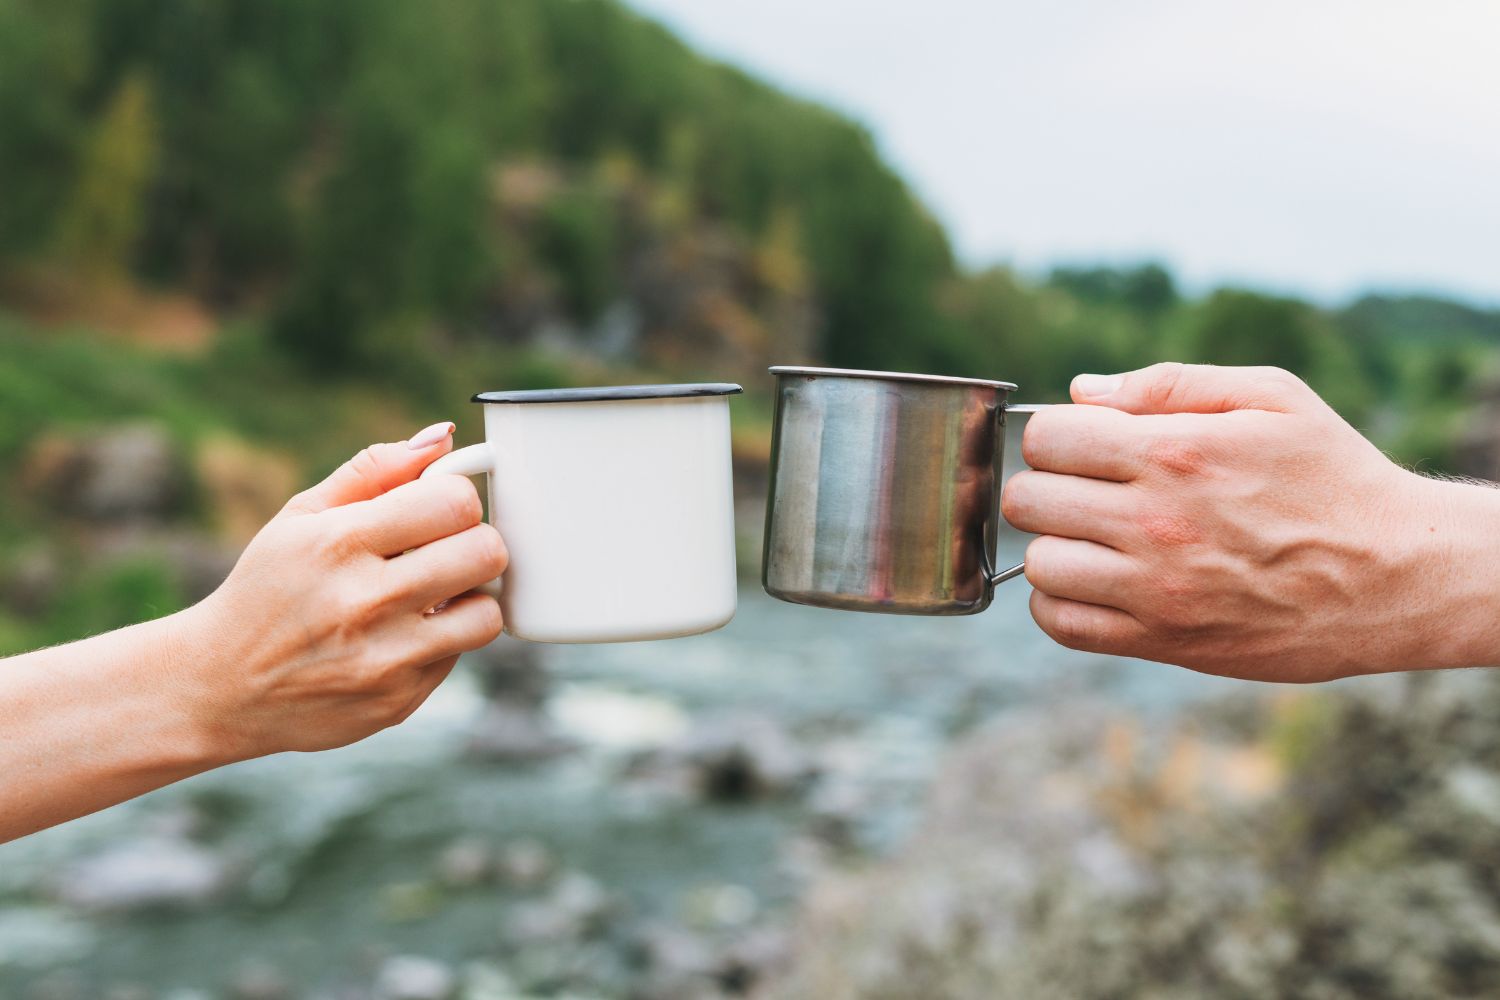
(590, 394)
(889, 376)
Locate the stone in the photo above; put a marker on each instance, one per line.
(742, 757)
(126, 474)
(414, 977)
(466, 862)
(675, 964)
(31, 581)
(576, 907)
(154, 872)
(510, 732)
(259, 980)
(525, 863)
(512, 671)
(752, 958)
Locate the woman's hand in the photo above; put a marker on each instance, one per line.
(325, 632)
(1226, 519)
(340, 618)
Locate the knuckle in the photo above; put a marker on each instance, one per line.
(1072, 626)
(1277, 383)
(1178, 456)
(1168, 529)
(492, 551)
(394, 704)
(340, 538)
(1163, 381)
(1017, 497)
(463, 500)
(351, 608)
(491, 620)
(1033, 440)
(365, 464)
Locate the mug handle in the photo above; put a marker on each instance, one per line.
(470, 461)
(1019, 568)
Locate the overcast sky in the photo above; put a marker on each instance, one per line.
(1315, 146)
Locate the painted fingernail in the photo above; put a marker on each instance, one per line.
(1097, 385)
(429, 436)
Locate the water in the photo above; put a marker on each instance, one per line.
(335, 854)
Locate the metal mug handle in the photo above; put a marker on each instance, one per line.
(1019, 568)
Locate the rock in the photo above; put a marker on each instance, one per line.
(745, 757)
(675, 964)
(32, 581)
(576, 908)
(258, 980)
(752, 958)
(413, 977)
(510, 670)
(127, 474)
(466, 862)
(838, 806)
(525, 863)
(717, 906)
(509, 732)
(156, 872)
(127, 991)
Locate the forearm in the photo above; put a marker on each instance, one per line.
(92, 723)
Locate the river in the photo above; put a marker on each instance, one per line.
(332, 857)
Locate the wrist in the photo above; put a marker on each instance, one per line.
(1457, 526)
(197, 667)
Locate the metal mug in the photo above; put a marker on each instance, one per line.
(885, 491)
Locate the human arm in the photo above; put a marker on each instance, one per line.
(320, 636)
(1228, 520)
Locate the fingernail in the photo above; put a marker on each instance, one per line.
(1097, 385)
(429, 436)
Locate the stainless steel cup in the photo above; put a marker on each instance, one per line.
(885, 491)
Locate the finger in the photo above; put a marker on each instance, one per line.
(428, 679)
(1080, 571)
(425, 577)
(375, 470)
(1045, 503)
(416, 513)
(1176, 388)
(467, 622)
(1094, 441)
(1087, 627)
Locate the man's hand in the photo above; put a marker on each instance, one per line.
(1226, 519)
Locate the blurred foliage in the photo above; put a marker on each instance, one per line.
(382, 205)
(331, 166)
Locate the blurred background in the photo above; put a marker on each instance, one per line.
(239, 240)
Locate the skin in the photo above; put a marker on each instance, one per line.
(1228, 520)
(324, 633)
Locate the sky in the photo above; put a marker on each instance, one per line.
(1314, 147)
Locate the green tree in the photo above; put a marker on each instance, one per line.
(101, 221)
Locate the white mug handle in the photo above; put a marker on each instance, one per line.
(470, 461)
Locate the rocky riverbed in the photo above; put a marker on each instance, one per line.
(619, 821)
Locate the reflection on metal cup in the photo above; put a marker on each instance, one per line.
(884, 492)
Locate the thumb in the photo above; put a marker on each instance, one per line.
(1171, 387)
(375, 470)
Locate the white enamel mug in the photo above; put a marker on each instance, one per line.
(617, 506)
